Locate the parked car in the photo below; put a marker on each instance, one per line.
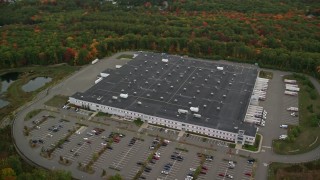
(248, 174)
(251, 161)
(282, 137)
(284, 126)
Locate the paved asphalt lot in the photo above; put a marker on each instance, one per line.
(124, 157)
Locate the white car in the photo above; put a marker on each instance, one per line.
(229, 176)
(165, 172)
(103, 144)
(188, 178)
(85, 139)
(193, 169)
(282, 137)
(284, 126)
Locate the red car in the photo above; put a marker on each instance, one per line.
(203, 172)
(204, 167)
(247, 174)
(156, 157)
(221, 174)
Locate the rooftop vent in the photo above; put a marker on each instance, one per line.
(122, 90)
(156, 63)
(159, 84)
(139, 102)
(145, 61)
(193, 78)
(125, 96)
(193, 97)
(171, 87)
(218, 82)
(146, 82)
(161, 97)
(135, 69)
(175, 100)
(182, 111)
(181, 76)
(194, 109)
(158, 72)
(114, 97)
(148, 95)
(211, 93)
(218, 108)
(165, 60)
(190, 103)
(204, 106)
(134, 92)
(184, 89)
(224, 96)
(220, 68)
(146, 70)
(198, 91)
(169, 74)
(205, 80)
(197, 115)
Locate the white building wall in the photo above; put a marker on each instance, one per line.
(131, 115)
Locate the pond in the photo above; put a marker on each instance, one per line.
(3, 103)
(6, 80)
(35, 84)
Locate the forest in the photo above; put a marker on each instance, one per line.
(280, 34)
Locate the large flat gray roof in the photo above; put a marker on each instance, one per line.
(164, 87)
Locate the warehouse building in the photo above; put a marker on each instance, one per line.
(198, 96)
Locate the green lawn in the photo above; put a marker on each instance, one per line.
(266, 74)
(255, 146)
(310, 170)
(57, 101)
(31, 114)
(309, 117)
(125, 56)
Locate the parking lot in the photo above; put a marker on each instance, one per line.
(125, 152)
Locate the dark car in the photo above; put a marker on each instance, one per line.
(109, 147)
(147, 170)
(251, 161)
(142, 177)
(41, 141)
(140, 163)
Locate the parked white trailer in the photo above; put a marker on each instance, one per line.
(295, 89)
(290, 93)
(290, 81)
(292, 85)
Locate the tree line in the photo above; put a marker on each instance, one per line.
(276, 34)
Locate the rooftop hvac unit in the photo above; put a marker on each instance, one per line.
(204, 106)
(139, 102)
(197, 115)
(104, 74)
(114, 97)
(98, 80)
(95, 61)
(165, 60)
(194, 109)
(118, 66)
(125, 96)
(220, 68)
(182, 111)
